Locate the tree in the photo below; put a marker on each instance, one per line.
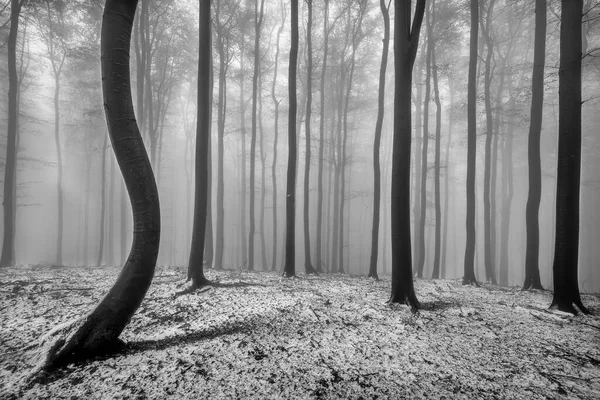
(406, 41)
(98, 331)
(9, 206)
(102, 224)
(532, 270)
(438, 138)
(568, 175)
(275, 139)
(487, 210)
(377, 142)
(195, 266)
(309, 66)
(290, 199)
(469, 270)
(258, 17)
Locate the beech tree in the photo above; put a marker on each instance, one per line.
(290, 199)
(532, 271)
(406, 41)
(377, 142)
(9, 206)
(568, 175)
(195, 266)
(469, 270)
(98, 332)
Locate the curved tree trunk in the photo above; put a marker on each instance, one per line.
(566, 248)
(195, 266)
(98, 332)
(377, 142)
(290, 203)
(406, 41)
(532, 268)
(469, 270)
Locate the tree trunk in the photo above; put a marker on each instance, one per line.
(59, 234)
(532, 269)
(98, 332)
(103, 204)
(424, 163)
(275, 140)
(417, 174)
(8, 242)
(307, 261)
(443, 267)
(290, 203)
(377, 142)
(568, 176)
(438, 139)
(263, 191)
(195, 266)
(318, 257)
(406, 41)
(469, 270)
(243, 160)
(257, 25)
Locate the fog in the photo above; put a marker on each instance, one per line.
(173, 73)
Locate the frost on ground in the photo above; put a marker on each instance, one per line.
(258, 335)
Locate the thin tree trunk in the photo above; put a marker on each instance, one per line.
(469, 271)
(195, 266)
(417, 175)
(443, 268)
(307, 261)
(263, 191)
(438, 139)
(103, 203)
(377, 142)
(532, 269)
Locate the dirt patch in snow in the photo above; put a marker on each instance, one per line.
(259, 335)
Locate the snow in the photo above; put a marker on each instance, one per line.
(258, 335)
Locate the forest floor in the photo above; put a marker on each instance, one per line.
(259, 335)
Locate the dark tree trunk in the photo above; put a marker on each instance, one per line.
(417, 175)
(98, 332)
(377, 142)
(443, 267)
(568, 176)
(290, 203)
(318, 256)
(263, 192)
(307, 261)
(195, 266)
(469, 270)
(59, 233)
(258, 16)
(532, 269)
(438, 139)
(8, 242)
(406, 41)
(275, 140)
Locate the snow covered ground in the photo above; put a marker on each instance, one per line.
(259, 335)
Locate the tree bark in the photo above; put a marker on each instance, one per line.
(98, 332)
(8, 203)
(377, 142)
(532, 269)
(195, 266)
(438, 139)
(102, 223)
(406, 41)
(290, 204)
(568, 176)
(469, 270)
(307, 260)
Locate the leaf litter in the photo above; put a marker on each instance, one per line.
(258, 335)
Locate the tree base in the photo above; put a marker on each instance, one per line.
(194, 287)
(470, 281)
(569, 306)
(373, 275)
(410, 300)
